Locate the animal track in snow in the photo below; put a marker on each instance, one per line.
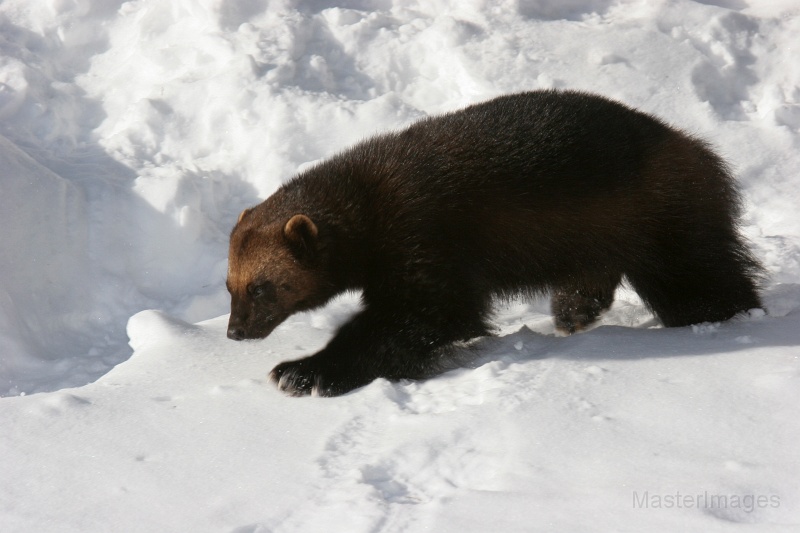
(724, 78)
(60, 403)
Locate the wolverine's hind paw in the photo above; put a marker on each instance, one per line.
(574, 311)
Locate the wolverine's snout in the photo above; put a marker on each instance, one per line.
(242, 329)
(235, 333)
(236, 327)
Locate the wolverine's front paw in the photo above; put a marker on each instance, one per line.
(295, 378)
(315, 377)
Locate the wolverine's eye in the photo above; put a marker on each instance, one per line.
(262, 290)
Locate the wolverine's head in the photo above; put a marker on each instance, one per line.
(273, 272)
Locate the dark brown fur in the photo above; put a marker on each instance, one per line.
(537, 192)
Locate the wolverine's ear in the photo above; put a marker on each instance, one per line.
(242, 214)
(301, 232)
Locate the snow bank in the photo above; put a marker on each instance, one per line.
(44, 261)
(562, 433)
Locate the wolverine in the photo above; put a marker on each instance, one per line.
(544, 192)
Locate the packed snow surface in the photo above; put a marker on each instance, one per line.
(131, 136)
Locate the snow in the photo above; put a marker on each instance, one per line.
(131, 136)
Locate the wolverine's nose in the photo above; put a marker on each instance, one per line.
(235, 333)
